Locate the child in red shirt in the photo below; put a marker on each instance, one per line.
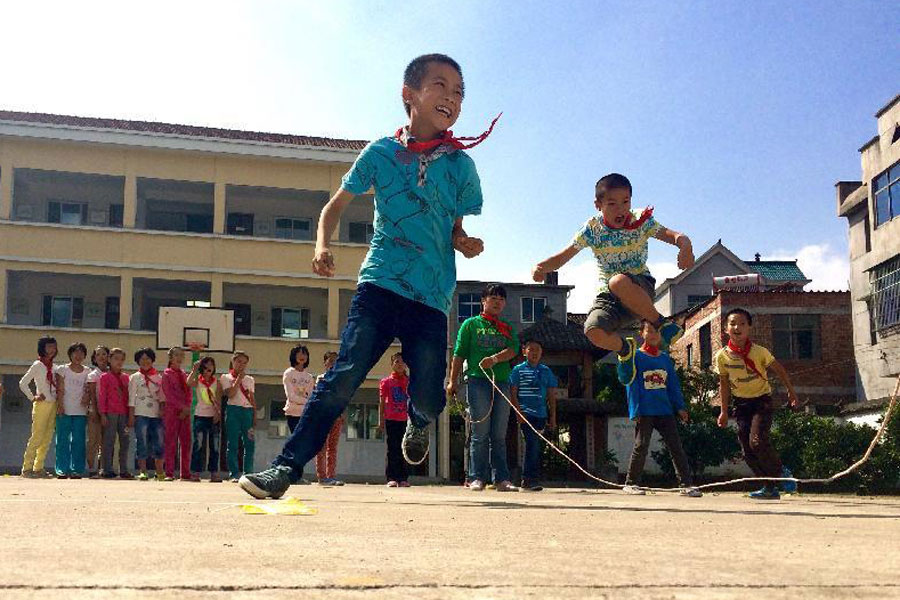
(393, 402)
(112, 404)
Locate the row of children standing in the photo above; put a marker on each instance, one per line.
(91, 409)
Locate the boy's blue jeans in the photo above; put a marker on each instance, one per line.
(377, 316)
(488, 452)
(531, 470)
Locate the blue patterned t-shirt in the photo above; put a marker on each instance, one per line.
(412, 251)
(617, 250)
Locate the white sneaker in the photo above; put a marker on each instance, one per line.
(477, 486)
(691, 492)
(634, 490)
(506, 486)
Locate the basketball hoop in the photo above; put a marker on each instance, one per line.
(196, 346)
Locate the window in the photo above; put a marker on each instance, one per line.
(886, 188)
(239, 224)
(290, 323)
(873, 329)
(242, 324)
(694, 300)
(469, 306)
(67, 213)
(111, 315)
(533, 309)
(62, 311)
(116, 215)
(362, 422)
(885, 282)
(796, 337)
(690, 356)
(293, 229)
(361, 233)
(705, 346)
(197, 303)
(276, 411)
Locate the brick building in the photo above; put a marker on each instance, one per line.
(810, 333)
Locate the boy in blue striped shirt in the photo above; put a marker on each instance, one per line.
(530, 384)
(654, 398)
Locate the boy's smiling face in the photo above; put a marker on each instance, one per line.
(738, 328)
(435, 106)
(615, 207)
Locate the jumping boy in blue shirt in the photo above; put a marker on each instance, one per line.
(424, 185)
(654, 398)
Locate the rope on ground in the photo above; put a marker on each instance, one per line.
(875, 440)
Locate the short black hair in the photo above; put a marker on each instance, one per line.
(532, 341)
(76, 346)
(417, 69)
(148, 351)
(292, 357)
(740, 311)
(43, 343)
(611, 182)
(493, 289)
(205, 360)
(94, 354)
(328, 354)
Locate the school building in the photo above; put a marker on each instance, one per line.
(872, 209)
(103, 221)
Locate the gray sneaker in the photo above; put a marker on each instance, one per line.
(691, 492)
(506, 486)
(271, 483)
(634, 490)
(477, 486)
(415, 444)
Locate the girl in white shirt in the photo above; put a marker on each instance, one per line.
(43, 407)
(71, 417)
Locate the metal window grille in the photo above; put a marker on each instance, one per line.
(885, 281)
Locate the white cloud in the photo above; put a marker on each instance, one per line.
(828, 269)
(583, 275)
(662, 270)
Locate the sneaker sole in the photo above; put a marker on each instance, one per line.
(252, 489)
(412, 462)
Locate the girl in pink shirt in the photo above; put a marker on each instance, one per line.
(112, 404)
(177, 415)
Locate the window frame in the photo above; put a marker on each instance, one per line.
(532, 299)
(369, 233)
(301, 312)
(884, 279)
(370, 431)
(82, 212)
(294, 221)
(473, 300)
(76, 311)
(791, 331)
(891, 191)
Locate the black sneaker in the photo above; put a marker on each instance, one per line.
(530, 486)
(415, 444)
(271, 483)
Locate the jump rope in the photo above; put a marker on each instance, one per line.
(875, 440)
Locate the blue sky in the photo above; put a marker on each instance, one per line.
(734, 119)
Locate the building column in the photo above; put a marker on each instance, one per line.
(334, 310)
(126, 300)
(4, 301)
(217, 291)
(444, 445)
(219, 207)
(6, 187)
(129, 209)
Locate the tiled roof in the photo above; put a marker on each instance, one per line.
(181, 130)
(777, 270)
(555, 335)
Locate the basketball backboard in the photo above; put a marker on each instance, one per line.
(211, 328)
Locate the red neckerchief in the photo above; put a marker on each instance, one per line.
(651, 350)
(243, 389)
(208, 384)
(123, 386)
(629, 223)
(744, 353)
(504, 328)
(446, 137)
(147, 375)
(48, 363)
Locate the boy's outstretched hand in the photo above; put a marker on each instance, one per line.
(685, 255)
(470, 247)
(538, 273)
(323, 262)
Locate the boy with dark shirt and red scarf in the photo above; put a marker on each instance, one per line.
(743, 367)
(654, 398)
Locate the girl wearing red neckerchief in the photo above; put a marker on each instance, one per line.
(240, 414)
(177, 415)
(112, 402)
(43, 407)
(743, 376)
(207, 419)
(146, 405)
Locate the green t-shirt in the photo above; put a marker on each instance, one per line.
(478, 339)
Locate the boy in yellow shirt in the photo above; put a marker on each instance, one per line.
(743, 376)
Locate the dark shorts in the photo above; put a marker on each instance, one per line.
(609, 314)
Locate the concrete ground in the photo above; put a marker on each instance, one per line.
(118, 539)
